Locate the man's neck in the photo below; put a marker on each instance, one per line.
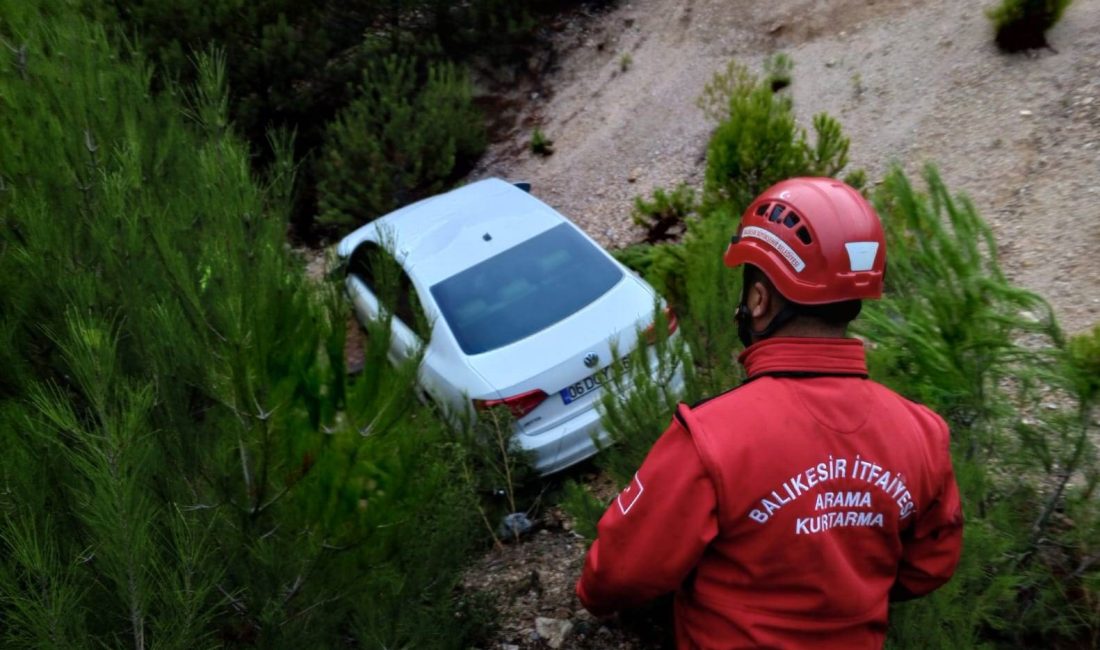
(808, 328)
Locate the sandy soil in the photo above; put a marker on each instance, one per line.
(911, 81)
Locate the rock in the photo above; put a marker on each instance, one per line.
(509, 646)
(1025, 113)
(514, 526)
(634, 174)
(830, 63)
(553, 630)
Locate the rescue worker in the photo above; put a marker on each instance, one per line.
(789, 511)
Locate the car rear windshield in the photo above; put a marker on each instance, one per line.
(524, 289)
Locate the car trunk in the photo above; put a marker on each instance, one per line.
(554, 359)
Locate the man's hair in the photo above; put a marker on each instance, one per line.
(833, 314)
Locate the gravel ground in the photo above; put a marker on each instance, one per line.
(911, 80)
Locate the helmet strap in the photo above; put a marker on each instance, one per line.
(744, 322)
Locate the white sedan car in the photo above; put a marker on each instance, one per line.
(525, 309)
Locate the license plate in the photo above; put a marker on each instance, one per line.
(573, 392)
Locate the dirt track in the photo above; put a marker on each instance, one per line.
(911, 81)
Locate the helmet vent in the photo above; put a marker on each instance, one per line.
(790, 220)
(776, 211)
(762, 210)
(804, 235)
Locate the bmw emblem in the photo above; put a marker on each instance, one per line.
(591, 359)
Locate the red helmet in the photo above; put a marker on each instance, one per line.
(817, 239)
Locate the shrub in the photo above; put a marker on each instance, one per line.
(185, 463)
(585, 509)
(625, 61)
(640, 401)
(494, 464)
(540, 144)
(1023, 24)
(757, 143)
(777, 71)
(665, 214)
(296, 65)
(951, 333)
(1083, 360)
(399, 140)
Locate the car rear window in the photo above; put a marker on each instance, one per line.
(524, 289)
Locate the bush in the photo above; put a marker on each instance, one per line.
(951, 333)
(540, 144)
(1023, 24)
(399, 140)
(757, 143)
(585, 509)
(777, 71)
(639, 402)
(297, 65)
(185, 463)
(665, 214)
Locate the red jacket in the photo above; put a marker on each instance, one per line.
(785, 513)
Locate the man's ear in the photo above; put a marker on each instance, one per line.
(759, 300)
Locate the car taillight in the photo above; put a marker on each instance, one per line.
(520, 405)
(650, 332)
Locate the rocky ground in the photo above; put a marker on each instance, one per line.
(912, 81)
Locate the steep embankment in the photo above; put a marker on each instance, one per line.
(912, 81)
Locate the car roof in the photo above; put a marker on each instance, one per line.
(444, 234)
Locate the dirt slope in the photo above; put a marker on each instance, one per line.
(910, 80)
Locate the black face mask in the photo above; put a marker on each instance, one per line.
(744, 324)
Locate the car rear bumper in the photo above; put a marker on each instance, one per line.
(575, 439)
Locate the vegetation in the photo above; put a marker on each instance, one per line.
(625, 61)
(1023, 24)
(298, 66)
(953, 333)
(664, 216)
(188, 464)
(1019, 427)
(540, 144)
(398, 138)
(777, 71)
(757, 142)
(185, 462)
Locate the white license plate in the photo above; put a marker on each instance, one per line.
(573, 392)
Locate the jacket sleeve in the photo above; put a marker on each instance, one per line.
(932, 546)
(654, 532)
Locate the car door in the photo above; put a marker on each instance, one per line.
(382, 284)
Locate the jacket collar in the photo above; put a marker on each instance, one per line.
(804, 356)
